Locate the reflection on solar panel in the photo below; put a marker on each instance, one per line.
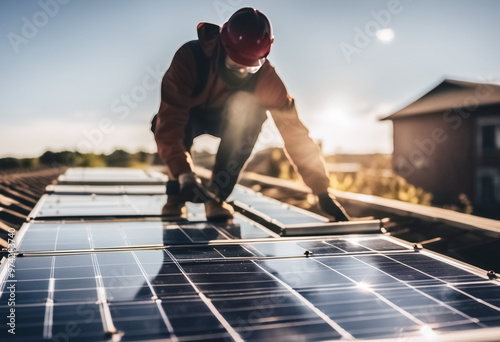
(106, 189)
(271, 209)
(83, 176)
(146, 279)
(65, 206)
(68, 236)
(287, 220)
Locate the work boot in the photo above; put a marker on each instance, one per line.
(218, 211)
(174, 207)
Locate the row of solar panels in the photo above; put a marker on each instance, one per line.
(97, 262)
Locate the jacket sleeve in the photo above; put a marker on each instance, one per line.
(303, 153)
(176, 90)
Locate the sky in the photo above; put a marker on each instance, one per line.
(85, 74)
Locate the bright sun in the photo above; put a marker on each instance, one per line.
(385, 35)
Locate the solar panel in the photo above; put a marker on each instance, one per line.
(83, 275)
(106, 189)
(111, 176)
(83, 201)
(288, 220)
(362, 287)
(104, 203)
(88, 235)
(78, 201)
(75, 206)
(272, 210)
(129, 199)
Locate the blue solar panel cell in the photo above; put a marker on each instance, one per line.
(320, 247)
(348, 245)
(210, 252)
(379, 244)
(145, 322)
(72, 260)
(73, 272)
(277, 249)
(33, 274)
(191, 316)
(31, 285)
(478, 312)
(304, 273)
(390, 266)
(487, 291)
(29, 264)
(74, 284)
(73, 331)
(445, 272)
(81, 296)
(325, 247)
(427, 308)
(361, 269)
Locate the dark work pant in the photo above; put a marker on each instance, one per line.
(238, 125)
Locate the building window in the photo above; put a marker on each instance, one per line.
(488, 188)
(490, 139)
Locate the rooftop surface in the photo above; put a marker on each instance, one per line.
(98, 263)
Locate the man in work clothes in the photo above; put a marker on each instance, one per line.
(222, 85)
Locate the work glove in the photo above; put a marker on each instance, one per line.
(329, 204)
(191, 188)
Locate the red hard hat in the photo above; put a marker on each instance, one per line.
(247, 36)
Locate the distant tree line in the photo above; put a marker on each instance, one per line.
(119, 158)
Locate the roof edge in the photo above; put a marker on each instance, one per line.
(430, 89)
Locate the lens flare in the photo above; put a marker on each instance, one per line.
(427, 332)
(385, 35)
(364, 286)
